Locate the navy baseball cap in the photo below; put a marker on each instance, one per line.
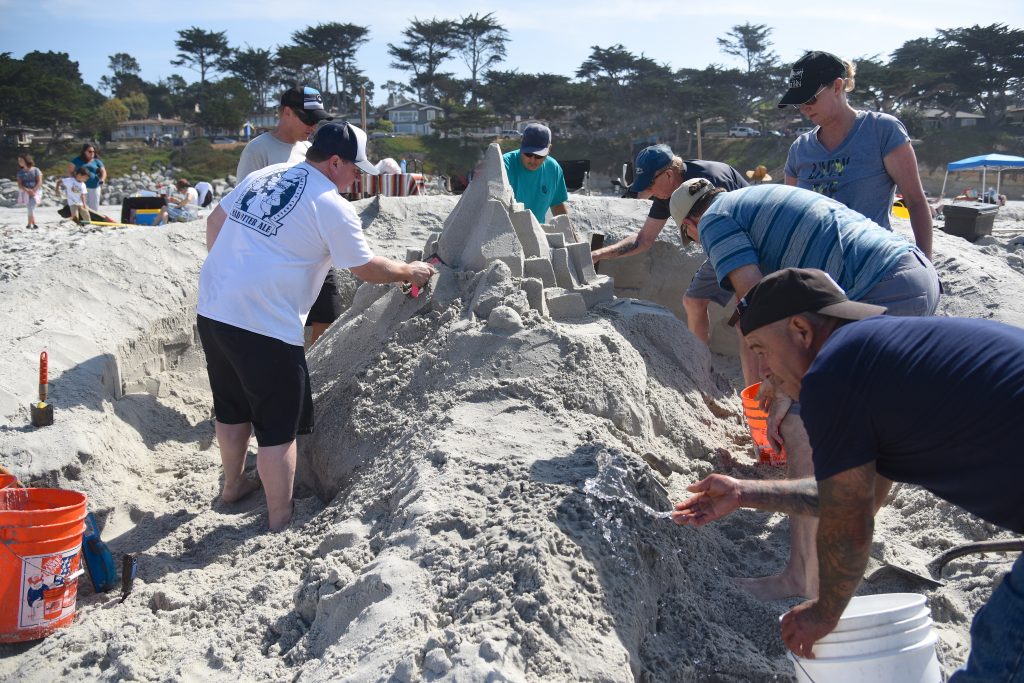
(648, 162)
(307, 104)
(345, 140)
(536, 139)
(810, 72)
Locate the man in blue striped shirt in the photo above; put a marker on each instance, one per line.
(755, 231)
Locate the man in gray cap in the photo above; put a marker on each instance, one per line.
(271, 241)
(535, 177)
(658, 173)
(926, 401)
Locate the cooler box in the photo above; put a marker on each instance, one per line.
(145, 216)
(969, 220)
(131, 205)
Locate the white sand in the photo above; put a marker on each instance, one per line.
(486, 514)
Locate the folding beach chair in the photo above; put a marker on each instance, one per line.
(577, 175)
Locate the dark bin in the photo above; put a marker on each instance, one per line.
(969, 220)
(132, 204)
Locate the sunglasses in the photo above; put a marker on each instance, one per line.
(531, 155)
(301, 115)
(814, 98)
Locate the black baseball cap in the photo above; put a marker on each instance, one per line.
(307, 104)
(792, 291)
(345, 140)
(810, 72)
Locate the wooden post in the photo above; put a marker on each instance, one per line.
(700, 146)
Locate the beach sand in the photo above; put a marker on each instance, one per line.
(473, 505)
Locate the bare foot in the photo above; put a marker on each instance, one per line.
(242, 488)
(777, 587)
(278, 521)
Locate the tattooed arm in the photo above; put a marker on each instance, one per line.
(845, 526)
(635, 243)
(718, 495)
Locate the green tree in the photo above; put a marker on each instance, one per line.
(298, 65)
(482, 46)
(255, 68)
(338, 43)
(227, 107)
(990, 67)
(137, 104)
(106, 118)
(124, 76)
(764, 74)
(750, 43)
(202, 51)
(427, 45)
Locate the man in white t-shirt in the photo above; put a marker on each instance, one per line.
(271, 241)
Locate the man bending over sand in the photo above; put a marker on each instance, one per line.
(927, 401)
(263, 272)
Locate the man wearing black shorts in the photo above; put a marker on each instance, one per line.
(658, 174)
(271, 242)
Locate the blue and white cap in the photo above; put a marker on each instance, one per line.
(307, 103)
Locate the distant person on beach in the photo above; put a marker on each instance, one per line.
(751, 232)
(89, 159)
(183, 208)
(297, 117)
(75, 192)
(30, 186)
(658, 173)
(759, 175)
(927, 401)
(263, 272)
(536, 178)
(856, 157)
(204, 192)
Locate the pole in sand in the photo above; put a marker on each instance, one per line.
(42, 412)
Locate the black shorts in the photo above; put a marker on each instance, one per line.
(257, 379)
(327, 306)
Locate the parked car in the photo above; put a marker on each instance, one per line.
(510, 134)
(744, 132)
(803, 129)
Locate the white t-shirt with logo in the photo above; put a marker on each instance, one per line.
(285, 226)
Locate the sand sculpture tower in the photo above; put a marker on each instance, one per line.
(489, 230)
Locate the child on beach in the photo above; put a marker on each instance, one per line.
(75, 193)
(30, 186)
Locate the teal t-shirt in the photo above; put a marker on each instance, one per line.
(537, 190)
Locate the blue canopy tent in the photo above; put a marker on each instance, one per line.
(986, 162)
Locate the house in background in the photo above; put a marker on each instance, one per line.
(150, 129)
(938, 119)
(413, 118)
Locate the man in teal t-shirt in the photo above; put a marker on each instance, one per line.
(536, 178)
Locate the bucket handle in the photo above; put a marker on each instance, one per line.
(38, 567)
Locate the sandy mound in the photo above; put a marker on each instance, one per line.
(476, 507)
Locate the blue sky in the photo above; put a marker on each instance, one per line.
(553, 37)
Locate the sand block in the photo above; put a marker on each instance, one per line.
(531, 236)
(504, 319)
(430, 246)
(413, 255)
(563, 304)
(534, 289)
(564, 275)
(562, 224)
(556, 240)
(540, 268)
(583, 263)
(598, 291)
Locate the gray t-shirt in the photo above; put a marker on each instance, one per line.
(854, 172)
(266, 150)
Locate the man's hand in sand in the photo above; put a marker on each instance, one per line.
(420, 272)
(804, 625)
(717, 496)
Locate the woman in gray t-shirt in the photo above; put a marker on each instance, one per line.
(856, 157)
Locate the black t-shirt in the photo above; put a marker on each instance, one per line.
(721, 175)
(936, 402)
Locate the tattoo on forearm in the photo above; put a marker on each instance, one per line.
(793, 497)
(844, 535)
(626, 248)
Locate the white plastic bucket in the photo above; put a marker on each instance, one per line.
(914, 664)
(865, 611)
(921, 617)
(870, 645)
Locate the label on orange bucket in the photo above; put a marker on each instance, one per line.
(46, 581)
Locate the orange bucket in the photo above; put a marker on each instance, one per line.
(757, 420)
(40, 560)
(7, 480)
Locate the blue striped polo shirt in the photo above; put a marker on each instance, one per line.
(779, 226)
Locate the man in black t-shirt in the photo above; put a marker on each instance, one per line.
(658, 174)
(927, 401)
